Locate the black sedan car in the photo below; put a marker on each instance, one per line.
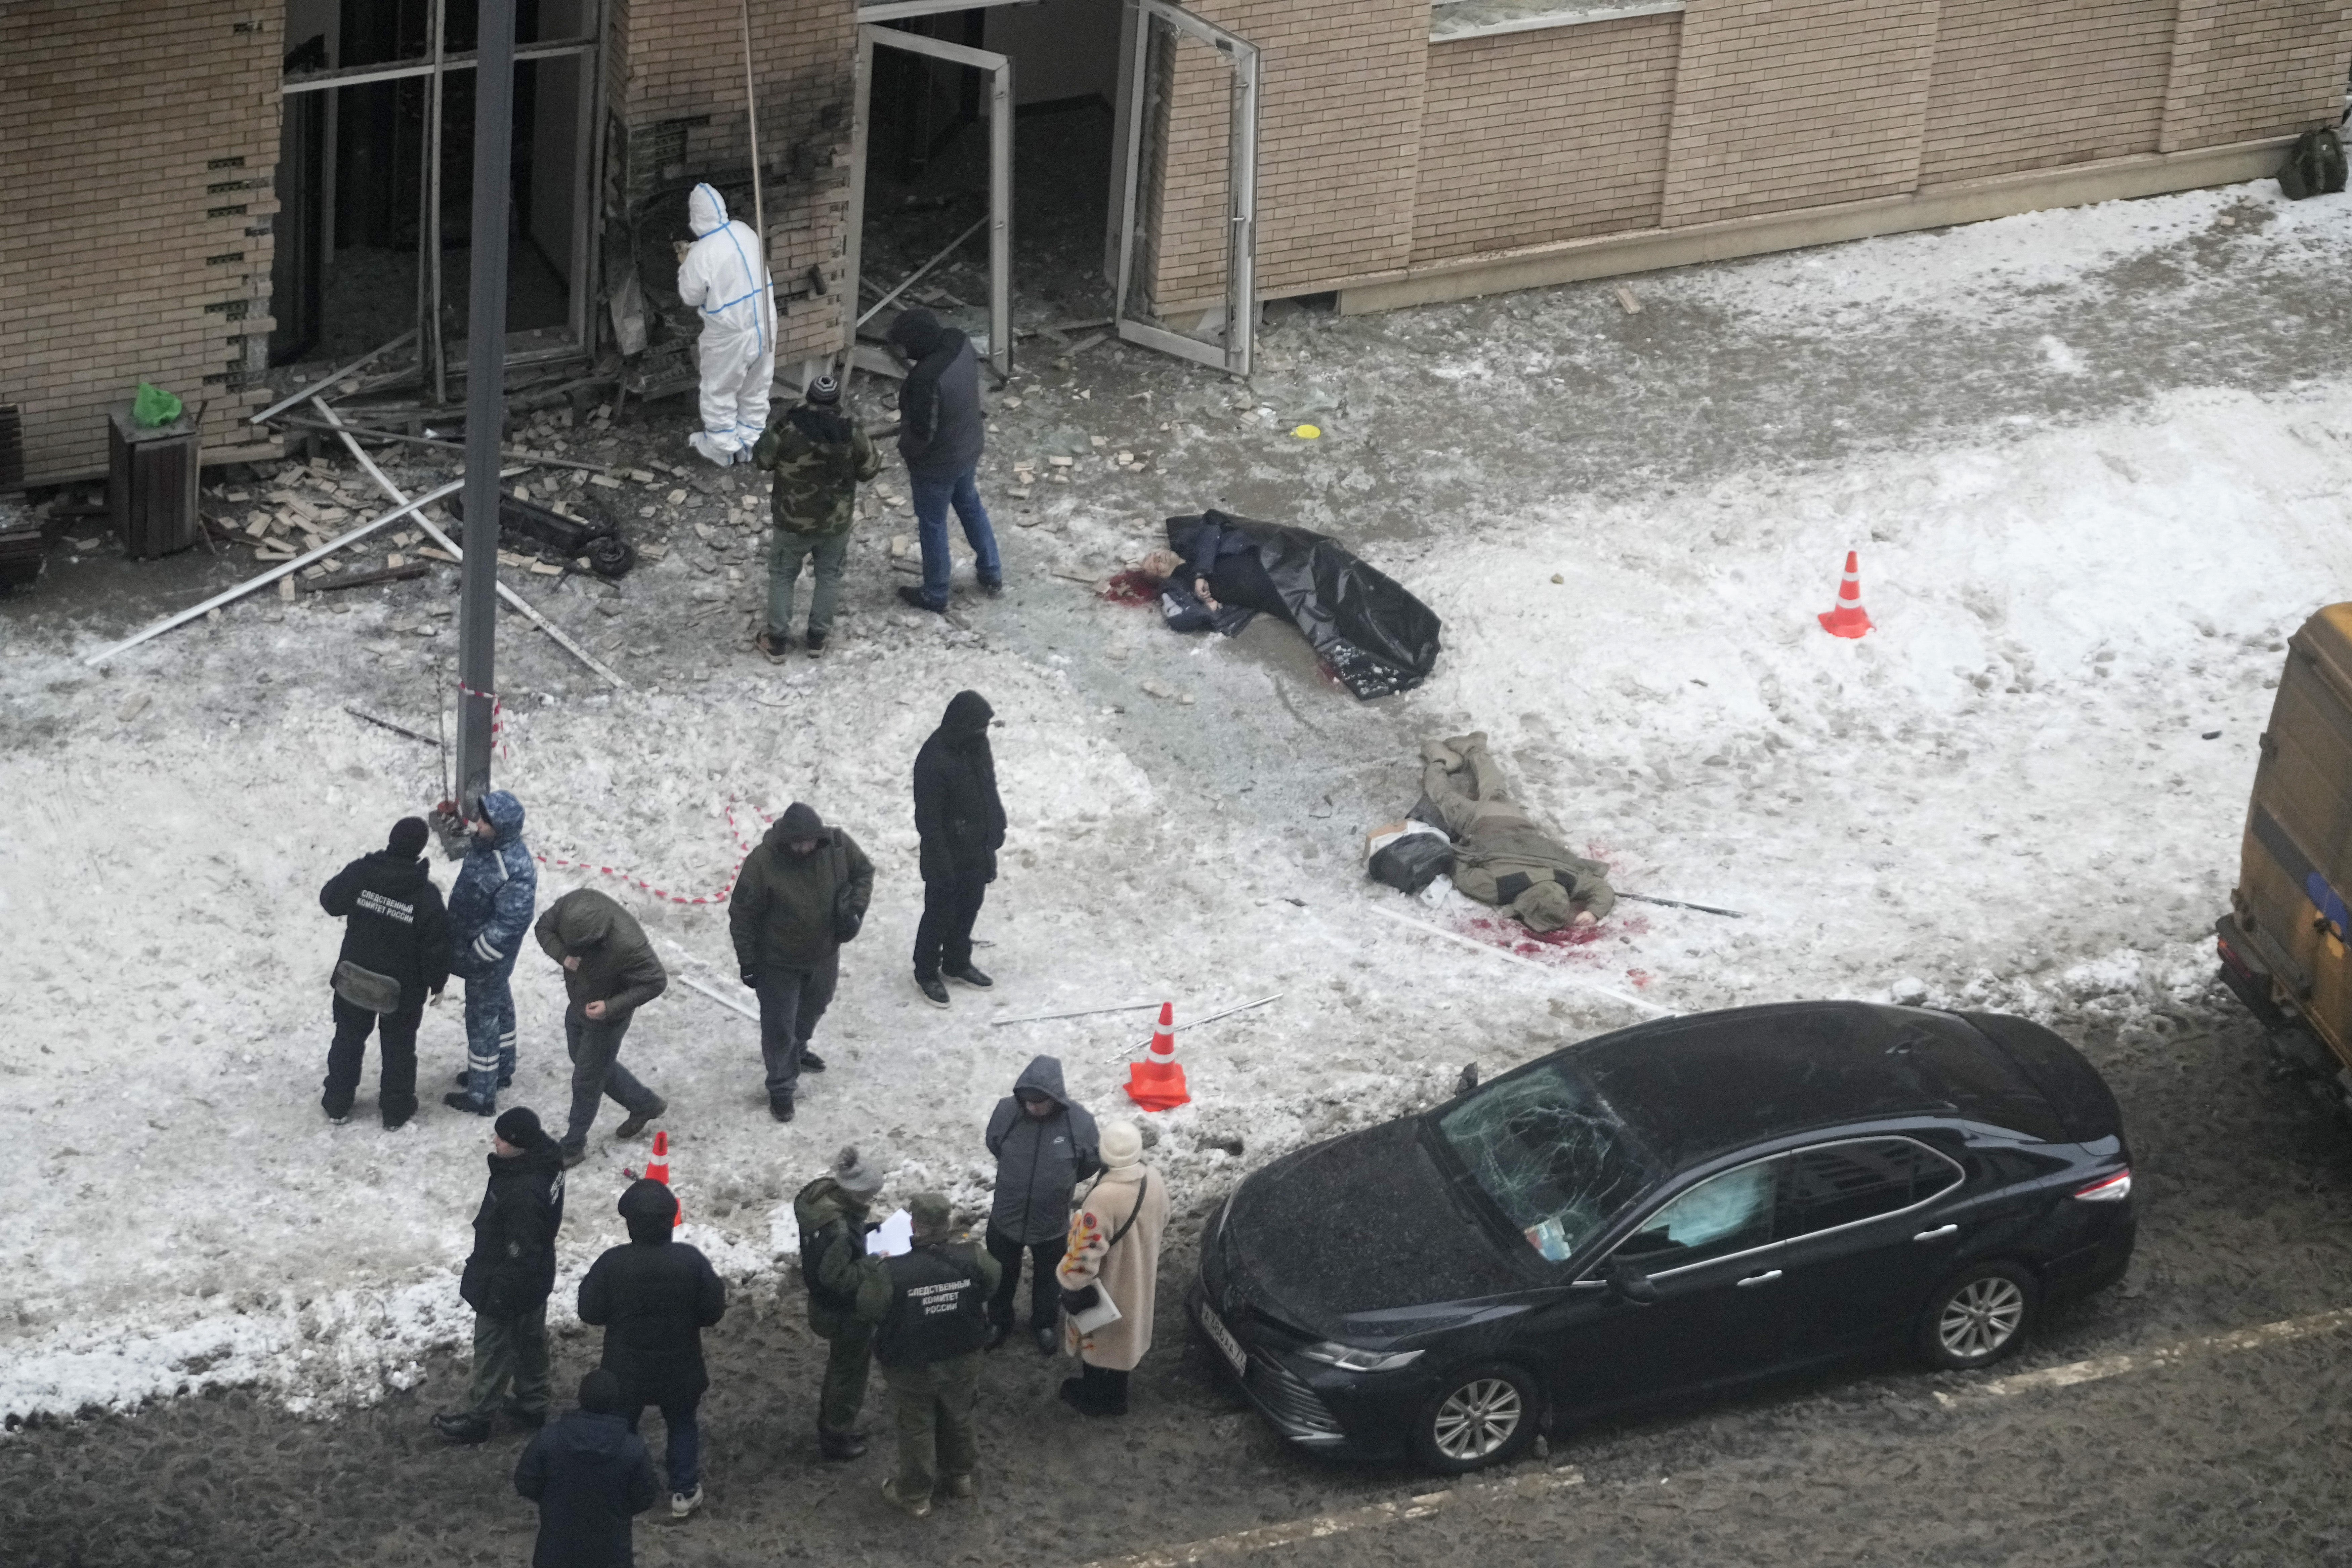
(1674, 1208)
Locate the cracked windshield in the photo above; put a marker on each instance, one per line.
(1553, 1156)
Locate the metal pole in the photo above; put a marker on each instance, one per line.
(1000, 212)
(752, 113)
(862, 109)
(486, 376)
(429, 282)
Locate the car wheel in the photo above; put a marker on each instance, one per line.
(1977, 1315)
(1482, 1415)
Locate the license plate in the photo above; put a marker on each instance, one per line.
(1225, 1340)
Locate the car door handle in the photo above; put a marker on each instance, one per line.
(1939, 1234)
(1764, 1279)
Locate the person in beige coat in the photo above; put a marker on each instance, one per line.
(1114, 1253)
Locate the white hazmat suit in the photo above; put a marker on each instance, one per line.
(725, 277)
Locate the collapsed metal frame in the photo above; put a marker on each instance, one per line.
(587, 156)
(1000, 177)
(1239, 331)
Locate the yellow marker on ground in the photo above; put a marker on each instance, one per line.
(1306, 432)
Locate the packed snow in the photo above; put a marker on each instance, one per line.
(2023, 789)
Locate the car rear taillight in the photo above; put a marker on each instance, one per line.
(2112, 1189)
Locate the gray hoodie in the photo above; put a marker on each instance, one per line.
(1040, 1160)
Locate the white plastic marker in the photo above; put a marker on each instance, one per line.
(728, 1002)
(441, 539)
(1514, 958)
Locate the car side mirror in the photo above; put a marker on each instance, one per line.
(1631, 1284)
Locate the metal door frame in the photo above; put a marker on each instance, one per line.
(1000, 172)
(1241, 192)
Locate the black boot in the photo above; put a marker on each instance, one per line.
(462, 1427)
(838, 1447)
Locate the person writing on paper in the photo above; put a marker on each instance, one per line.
(1111, 1265)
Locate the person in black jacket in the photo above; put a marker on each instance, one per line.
(653, 1298)
(961, 822)
(590, 1475)
(395, 951)
(508, 1278)
(940, 436)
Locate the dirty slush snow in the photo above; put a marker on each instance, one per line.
(2002, 798)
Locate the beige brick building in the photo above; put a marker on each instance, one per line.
(199, 186)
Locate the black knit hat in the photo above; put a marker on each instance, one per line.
(518, 1126)
(823, 392)
(408, 837)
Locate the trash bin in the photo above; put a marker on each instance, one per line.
(151, 491)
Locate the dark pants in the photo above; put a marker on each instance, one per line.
(791, 1002)
(846, 1363)
(397, 1040)
(1044, 1290)
(932, 1407)
(596, 1071)
(682, 1435)
(943, 936)
(489, 1033)
(510, 1350)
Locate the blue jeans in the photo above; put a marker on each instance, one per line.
(932, 496)
(489, 1033)
(682, 1431)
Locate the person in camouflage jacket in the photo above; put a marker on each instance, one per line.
(819, 457)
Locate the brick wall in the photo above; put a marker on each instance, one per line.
(1783, 104)
(2247, 68)
(140, 142)
(2034, 84)
(1339, 145)
(1532, 137)
(683, 59)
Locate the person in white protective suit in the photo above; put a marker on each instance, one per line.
(725, 277)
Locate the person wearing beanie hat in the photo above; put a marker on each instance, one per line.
(833, 1213)
(653, 1297)
(819, 455)
(800, 895)
(1113, 1253)
(395, 953)
(590, 1475)
(928, 1308)
(508, 1278)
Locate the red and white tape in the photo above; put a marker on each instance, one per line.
(497, 716)
(718, 897)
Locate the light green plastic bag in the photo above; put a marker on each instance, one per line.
(153, 408)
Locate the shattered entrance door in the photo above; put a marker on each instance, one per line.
(1189, 239)
(1000, 182)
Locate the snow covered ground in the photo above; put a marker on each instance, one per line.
(2023, 789)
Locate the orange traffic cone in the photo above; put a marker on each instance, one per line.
(657, 1169)
(1848, 619)
(1157, 1083)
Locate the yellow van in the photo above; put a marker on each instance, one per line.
(2282, 944)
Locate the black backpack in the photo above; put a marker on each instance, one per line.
(2314, 166)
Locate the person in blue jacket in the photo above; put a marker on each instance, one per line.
(591, 1477)
(490, 906)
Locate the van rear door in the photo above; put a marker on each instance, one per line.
(2295, 868)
